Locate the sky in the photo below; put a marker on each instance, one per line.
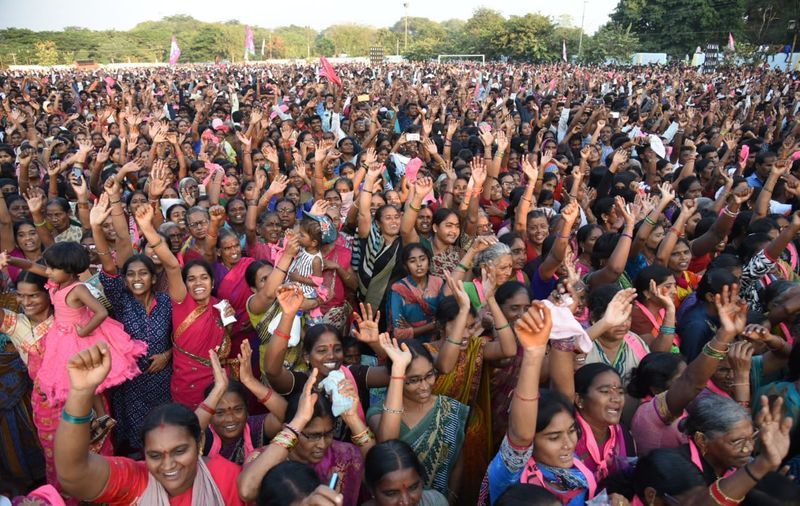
(96, 14)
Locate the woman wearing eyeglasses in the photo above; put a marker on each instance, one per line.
(433, 425)
(309, 439)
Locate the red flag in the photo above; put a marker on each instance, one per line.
(326, 70)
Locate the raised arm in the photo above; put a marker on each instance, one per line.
(249, 480)
(555, 258)
(387, 424)
(216, 393)
(447, 358)
(36, 201)
(176, 287)
(615, 265)
(98, 215)
(365, 199)
(290, 298)
(421, 187)
(81, 473)
(533, 331)
(688, 208)
(6, 226)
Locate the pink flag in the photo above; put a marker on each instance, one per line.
(731, 43)
(110, 85)
(174, 52)
(326, 70)
(564, 50)
(249, 45)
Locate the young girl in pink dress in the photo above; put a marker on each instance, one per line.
(80, 321)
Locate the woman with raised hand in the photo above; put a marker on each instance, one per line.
(233, 432)
(147, 317)
(173, 471)
(461, 354)
(197, 324)
(655, 424)
(540, 453)
(433, 425)
(321, 349)
(256, 478)
(379, 246)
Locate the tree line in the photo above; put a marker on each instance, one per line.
(672, 26)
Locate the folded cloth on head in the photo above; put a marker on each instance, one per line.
(339, 402)
(565, 326)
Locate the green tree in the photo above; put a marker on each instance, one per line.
(525, 37)
(324, 46)
(610, 43)
(351, 39)
(46, 52)
(481, 33)
(678, 26)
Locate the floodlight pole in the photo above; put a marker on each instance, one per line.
(580, 38)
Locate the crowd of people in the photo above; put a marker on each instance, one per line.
(411, 284)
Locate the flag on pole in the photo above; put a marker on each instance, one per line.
(564, 50)
(249, 45)
(263, 43)
(326, 70)
(174, 52)
(731, 43)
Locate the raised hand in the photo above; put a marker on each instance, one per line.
(622, 209)
(35, 200)
(368, 156)
(290, 298)
(531, 170)
(220, 376)
(291, 243)
(278, 185)
(143, 216)
(570, 213)
(732, 311)
(100, 211)
(320, 208)
(217, 214)
(533, 328)
(398, 354)
(88, 368)
(619, 309)
(774, 432)
(423, 186)
(308, 399)
(245, 365)
(158, 179)
(367, 323)
(458, 291)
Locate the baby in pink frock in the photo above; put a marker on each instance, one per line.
(63, 341)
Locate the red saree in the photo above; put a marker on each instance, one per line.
(197, 330)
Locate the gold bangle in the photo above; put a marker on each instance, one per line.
(157, 244)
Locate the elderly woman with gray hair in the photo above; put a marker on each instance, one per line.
(488, 260)
(722, 438)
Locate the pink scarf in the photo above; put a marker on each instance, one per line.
(204, 491)
(603, 459)
(216, 443)
(533, 475)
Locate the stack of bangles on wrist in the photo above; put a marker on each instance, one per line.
(363, 438)
(719, 497)
(714, 353)
(730, 213)
(286, 438)
(463, 267)
(666, 330)
(650, 221)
